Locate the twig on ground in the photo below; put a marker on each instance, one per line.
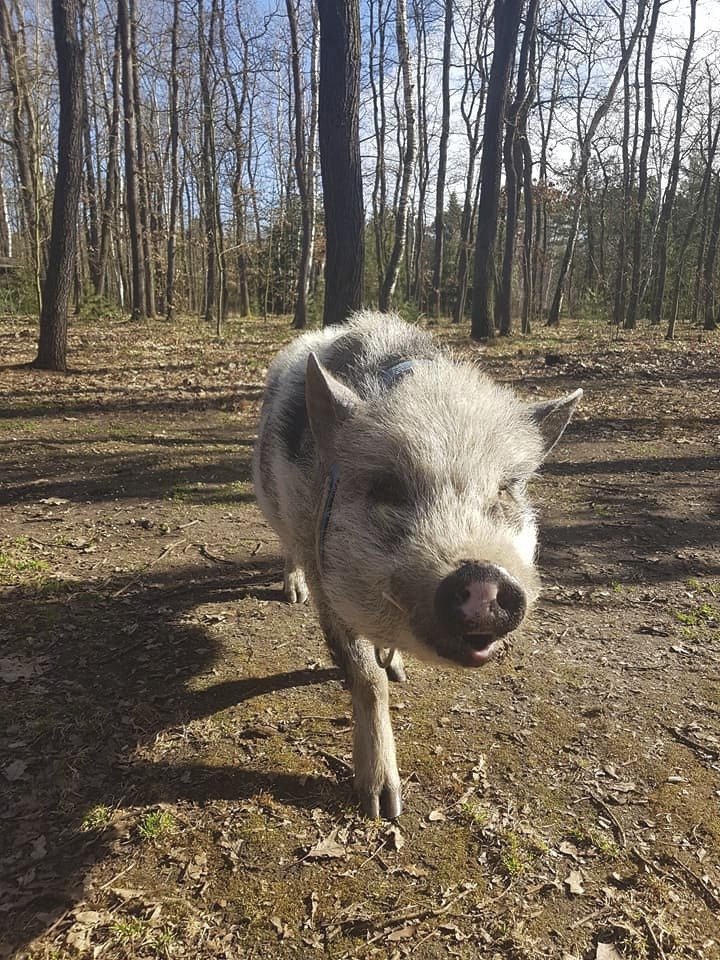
(131, 583)
(207, 552)
(611, 817)
(695, 744)
(709, 892)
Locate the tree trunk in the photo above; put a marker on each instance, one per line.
(340, 157)
(302, 173)
(514, 157)
(52, 345)
(506, 16)
(656, 306)
(408, 161)
(633, 305)
(442, 161)
(112, 175)
(174, 167)
(709, 278)
(148, 257)
(132, 202)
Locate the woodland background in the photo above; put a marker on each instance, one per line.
(518, 159)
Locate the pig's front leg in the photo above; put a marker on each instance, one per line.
(377, 781)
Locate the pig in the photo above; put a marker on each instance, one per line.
(394, 475)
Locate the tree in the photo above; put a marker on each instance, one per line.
(633, 303)
(52, 345)
(304, 163)
(672, 180)
(339, 126)
(442, 159)
(586, 141)
(408, 160)
(506, 18)
(126, 10)
(516, 157)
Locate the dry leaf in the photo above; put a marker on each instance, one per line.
(283, 929)
(410, 870)
(396, 841)
(569, 849)
(574, 883)
(436, 815)
(607, 951)
(327, 849)
(38, 849)
(404, 933)
(15, 770)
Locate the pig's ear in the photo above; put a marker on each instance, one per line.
(552, 416)
(328, 403)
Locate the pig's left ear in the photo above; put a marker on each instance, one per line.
(552, 416)
(329, 402)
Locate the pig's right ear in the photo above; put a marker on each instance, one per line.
(329, 402)
(552, 416)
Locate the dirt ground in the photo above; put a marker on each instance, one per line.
(175, 743)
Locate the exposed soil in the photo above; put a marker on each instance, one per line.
(175, 744)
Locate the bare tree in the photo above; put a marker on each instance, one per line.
(304, 165)
(338, 116)
(442, 159)
(670, 193)
(506, 18)
(408, 159)
(52, 344)
(586, 140)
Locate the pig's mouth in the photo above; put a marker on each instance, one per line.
(478, 648)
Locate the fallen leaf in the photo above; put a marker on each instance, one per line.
(396, 841)
(410, 870)
(38, 849)
(436, 815)
(197, 868)
(569, 849)
(327, 849)
(574, 883)
(404, 933)
(283, 929)
(607, 951)
(15, 770)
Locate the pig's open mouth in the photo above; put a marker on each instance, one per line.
(478, 648)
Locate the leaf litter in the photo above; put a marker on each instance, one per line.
(564, 802)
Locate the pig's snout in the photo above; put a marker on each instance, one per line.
(480, 602)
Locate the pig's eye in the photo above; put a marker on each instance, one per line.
(510, 491)
(386, 489)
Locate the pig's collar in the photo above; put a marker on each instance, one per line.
(387, 378)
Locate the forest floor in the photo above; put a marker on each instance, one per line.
(175, 743)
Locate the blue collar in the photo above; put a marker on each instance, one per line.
(387, 377)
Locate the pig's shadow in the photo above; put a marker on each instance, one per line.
(118, 673)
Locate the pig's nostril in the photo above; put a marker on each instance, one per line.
(479, 598)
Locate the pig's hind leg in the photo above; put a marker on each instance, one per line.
(294, 585)
(377, 781)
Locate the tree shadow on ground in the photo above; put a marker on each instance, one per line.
(112, 672)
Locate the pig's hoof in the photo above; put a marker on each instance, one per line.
(295, 588)
(387, 804)
(396, 669)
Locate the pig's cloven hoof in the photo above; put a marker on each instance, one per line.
(294, 586)
(388, 804)
(396, 669)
